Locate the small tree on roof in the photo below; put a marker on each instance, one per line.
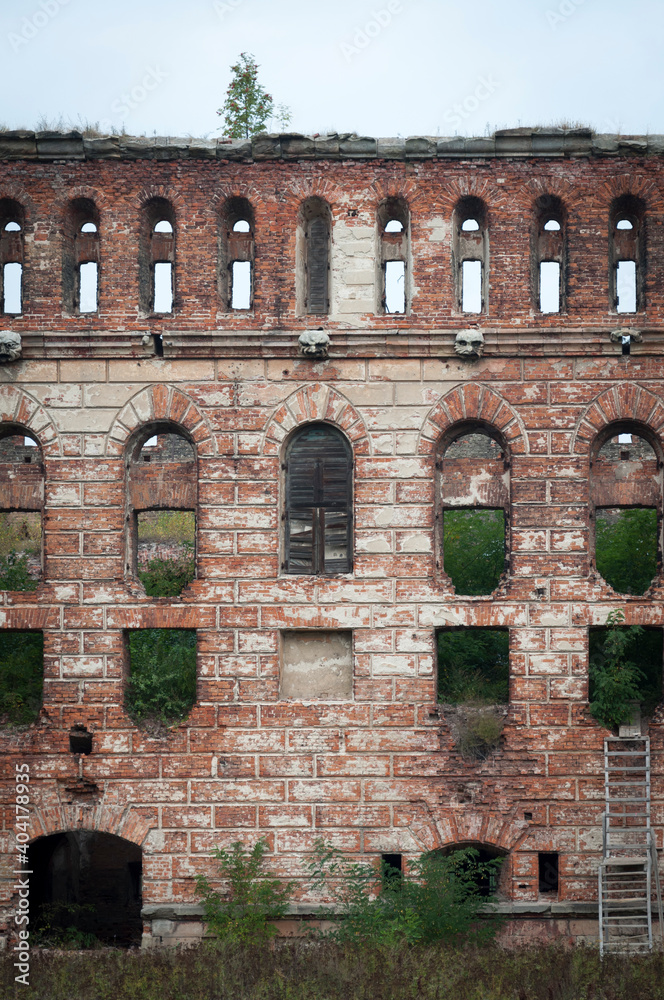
(248, 106)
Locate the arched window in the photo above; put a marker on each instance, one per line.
(80, 265)
(157, 257)
(627, 254)
(318, 508)
(470, 255)
(474, 509)
(393, 234)
(626, 501)
(162, 503)
(236, 255)
(21, 505)
(314, 232)
(549, 255)
(12, 226)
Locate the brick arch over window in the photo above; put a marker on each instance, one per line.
(122, 821)
(19, 408)
(163, 403)
(466, 403)
(435, 828)
(625, 402)
(315, 402)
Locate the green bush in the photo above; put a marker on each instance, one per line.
(439, 898)
(244, 910)
(474, 549)
(21, 676)
(162, 681)
(479, 732)
(14, 572)
(167, 577)
(616, 682)
(473, 665)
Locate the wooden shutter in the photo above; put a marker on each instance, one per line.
(317, 265)
(318, 502)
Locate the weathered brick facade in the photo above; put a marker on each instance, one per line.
(377, 772)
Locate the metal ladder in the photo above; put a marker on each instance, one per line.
(628, 871)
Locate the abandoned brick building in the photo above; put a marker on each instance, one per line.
(323, 349)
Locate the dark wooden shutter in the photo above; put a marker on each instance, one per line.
(318, 502)
(317, 265)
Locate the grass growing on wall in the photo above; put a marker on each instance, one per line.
(21, 676)
(162, 673)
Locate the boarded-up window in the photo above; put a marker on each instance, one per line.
(318, 502)
(318, 265)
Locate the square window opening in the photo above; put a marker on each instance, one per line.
(471, 286)
(626, 544)
(626, 286)
(20, 549)
(549, 286)
(645, 650)
(474, 549)
(241, 284)
(162, 674)
(395, 286)
(166, 551)
(547, 865)
(21, 676)
(473, 667)
(12, 278)
(163, 288)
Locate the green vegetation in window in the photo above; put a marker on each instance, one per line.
(474, 549)
(473, 665)
(21, 676)
(20, 538)
(626, 547)
(625, 667)
(167, 577)
(162, 681)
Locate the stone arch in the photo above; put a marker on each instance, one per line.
(121, 821)
(17, 407)
(160, 191)
(315, 402)
(626, 401)
(469, 402)
(161, 402)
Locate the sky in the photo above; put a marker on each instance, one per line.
(381, 68)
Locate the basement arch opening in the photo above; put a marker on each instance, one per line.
(486, 879)
(89, 881)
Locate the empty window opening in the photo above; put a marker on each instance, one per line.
(391, 866)
(470, 225)
(626, 286)
(626, 342)
(162, 674)
(12, 288)
(12, 227)
(552, 226)
(80, 739)
(317, 665)
(88, 227)
(242, 226)
(474, 549)
(20, 549)
(547, 867)
(624, 224)
(549, 286)
(163, 226)
(471, 286)
(158, 344)
(163, 287)
(87, 287)
(166, 551)
(626, 547)
(85, 890)
(21, 676)
(241, 284)
(394, 226)
(644, 650)
(473, 666)
(480, 863)
(395, 286)
(318, 502)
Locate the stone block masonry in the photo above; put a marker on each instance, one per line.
(366, 761)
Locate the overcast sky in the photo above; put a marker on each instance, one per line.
(389, 67)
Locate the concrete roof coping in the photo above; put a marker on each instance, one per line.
(519, 143)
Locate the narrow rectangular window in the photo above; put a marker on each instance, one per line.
(241, 284)
(163, 288)
(471, 286)
(395, 286)
(87, 290)
(626, 286)
(549, 290)
(12, 280)
(547, 863)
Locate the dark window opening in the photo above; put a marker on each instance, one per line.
(162, 674)
(391, 870)
(318, 502)
(473, 666)
(481, 863)
(646, 651)
(547, 865)
(318, 265)
(21, 676)
(85, 890)
(158, 344)
(80, 739)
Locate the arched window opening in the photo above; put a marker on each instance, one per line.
(479, 862)
(626, 498)
(21, 505)
(236, 252)
(470, 255)
(12, 224)
(474, 508)
(81, 257)
(549, 255)
(394, 257)
(314, 236)
(21, 676)
(318, 494)
(627, 254)
(162, 501)
(157, 257)
(85, 888)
